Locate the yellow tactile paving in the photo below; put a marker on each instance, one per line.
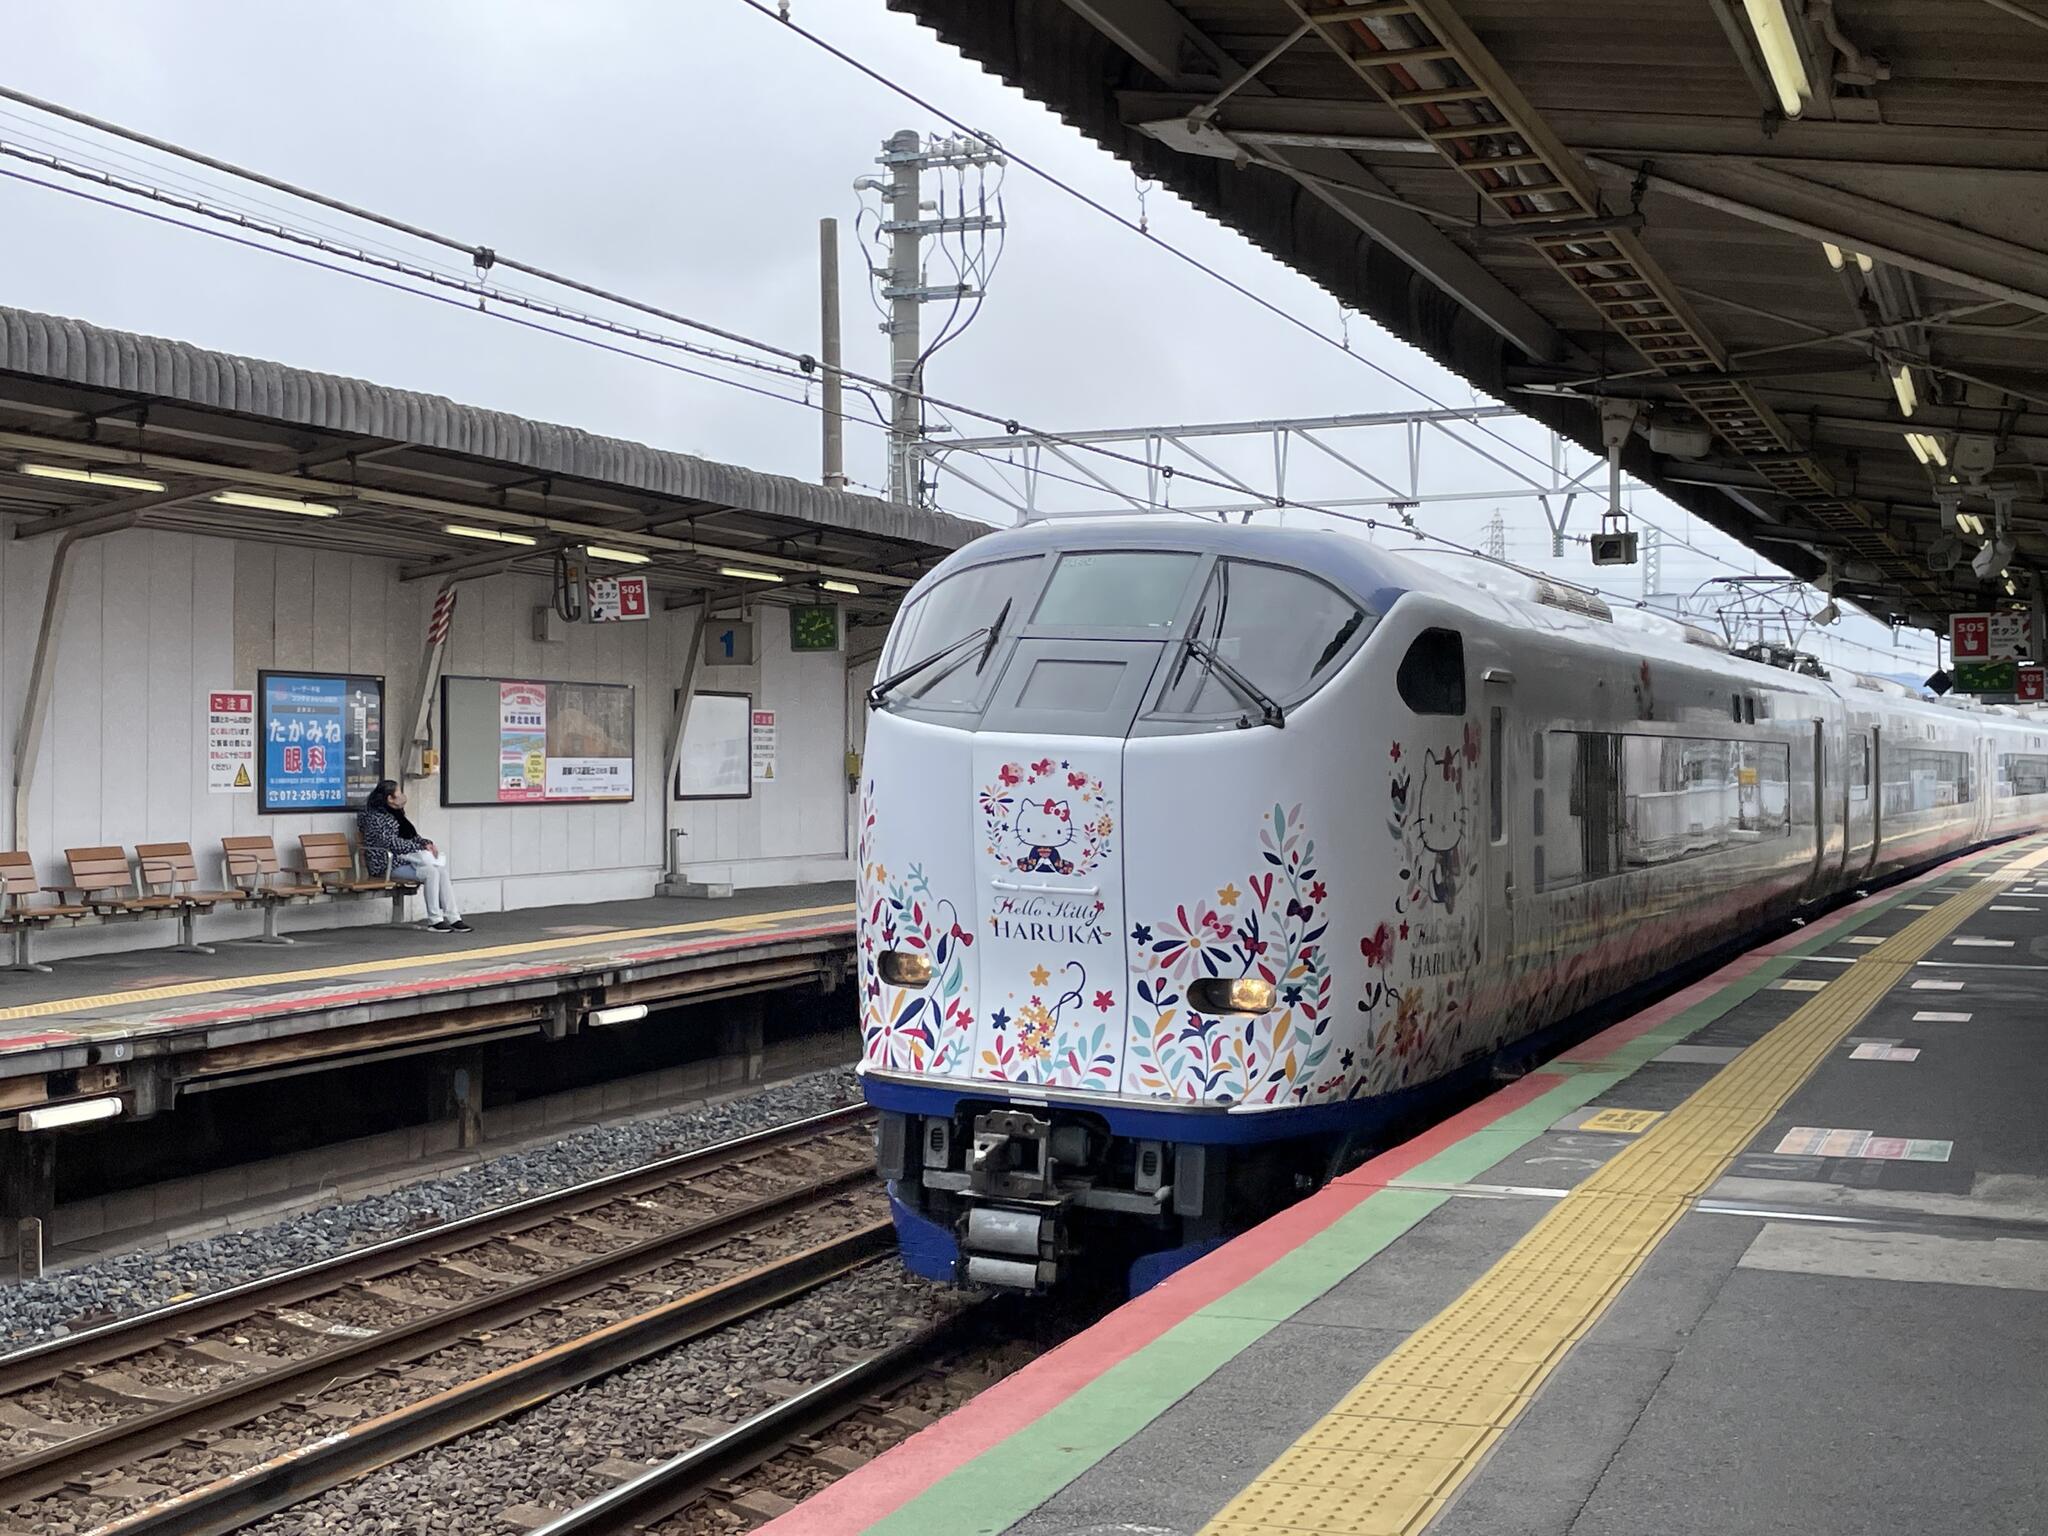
(749, 922)
(1389, 1456)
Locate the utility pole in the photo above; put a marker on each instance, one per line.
(1497, 536)
(834, 466)
(1653, 562)
(906, 157)
(906, 270)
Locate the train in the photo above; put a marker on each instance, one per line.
(1193, 856)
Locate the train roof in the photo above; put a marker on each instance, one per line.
(1379, 576)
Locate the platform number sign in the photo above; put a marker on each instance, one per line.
(728, 643)
(814, 627)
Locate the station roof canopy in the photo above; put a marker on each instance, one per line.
(100, 429)
(1774, 225)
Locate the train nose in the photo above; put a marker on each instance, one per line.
(1049, 877)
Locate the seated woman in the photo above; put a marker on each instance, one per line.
(394, 850)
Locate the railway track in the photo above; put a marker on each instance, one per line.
(765, 1463)
(206, 1414)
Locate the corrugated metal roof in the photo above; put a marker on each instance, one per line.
(52, 347)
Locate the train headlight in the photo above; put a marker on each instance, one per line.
(905, 968)
(1220, 994)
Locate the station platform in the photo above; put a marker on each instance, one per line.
(144, 1024)
(1771, 1255)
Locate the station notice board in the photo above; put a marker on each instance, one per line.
(323, 740)
(522, 741)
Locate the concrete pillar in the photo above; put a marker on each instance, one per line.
(741, 1038)
(458, 1095)
(28, 1188)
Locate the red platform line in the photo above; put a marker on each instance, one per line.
(427, 986)
(892, 1480)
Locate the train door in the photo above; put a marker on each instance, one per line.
(1860, 799)
(1501, 851)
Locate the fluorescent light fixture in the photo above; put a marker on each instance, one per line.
(488, 535)
(625, 1013)
(1902, 386)
(92, 477)
(290, 504)
(1927, 449)
(1776, 41)
(1865, 263)
(78, 1112)
(841, 586)
(1834, 254)
(741, 573)
(1969, 522)
(616, 556)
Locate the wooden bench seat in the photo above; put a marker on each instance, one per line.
(22, 915)
(253, 867)
(103, 881)
(331, 858)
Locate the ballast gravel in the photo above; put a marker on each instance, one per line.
(131, 1282)
(577, 1445)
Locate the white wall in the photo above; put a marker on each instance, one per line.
(151, 621)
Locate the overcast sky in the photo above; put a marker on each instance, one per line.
(683, 154)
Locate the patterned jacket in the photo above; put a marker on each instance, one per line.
(382, 842)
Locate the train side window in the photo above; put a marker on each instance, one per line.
(1431, 678)
(1536, 756)
(1496, 749)
(1735, 707)
(1748, 709)
(1859, 770)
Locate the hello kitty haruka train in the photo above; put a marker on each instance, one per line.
(1192, 854)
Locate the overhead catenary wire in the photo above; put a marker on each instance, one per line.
(1397, 528)
(486, 260)
(798, 366)
(1143, 232)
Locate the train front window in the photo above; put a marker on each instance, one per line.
(1283, 631)
(944, 616)
(1098, 589)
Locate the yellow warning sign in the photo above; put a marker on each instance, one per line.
(1626, 1121)
(242, 776)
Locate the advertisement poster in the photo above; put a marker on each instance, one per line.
(230, 743)
(764, 745)
(323, 740)
(522, 741)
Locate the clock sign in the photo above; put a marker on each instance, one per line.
(814, 628)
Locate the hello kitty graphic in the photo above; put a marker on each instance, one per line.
(1429, 819)
(1044, 827)
(1046, 817)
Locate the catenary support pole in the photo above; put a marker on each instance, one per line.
(906, 262)
(834, 421)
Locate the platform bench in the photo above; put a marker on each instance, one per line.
(333, 860)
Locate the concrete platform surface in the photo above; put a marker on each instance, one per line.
(1770, 1256)
(96, 1023)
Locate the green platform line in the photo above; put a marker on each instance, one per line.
(1006, 1482)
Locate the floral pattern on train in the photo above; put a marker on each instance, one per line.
(1047, 817)
(1270, 926)
(1063, 1037)
(919, 1029)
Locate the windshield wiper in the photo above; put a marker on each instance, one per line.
(988, 634)
(1244, 687)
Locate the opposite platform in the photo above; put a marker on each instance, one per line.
(1771, 1255)
(144, 1023)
